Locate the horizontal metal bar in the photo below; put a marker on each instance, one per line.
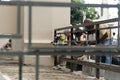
(7, 61)
(101, 28)
(91, 64)
(75, 48)
(57, 52)
(10, 36)
(87, 24)
(108, 28)
(90, 30)
(55, 4)
(89, 41)
(101, 66)
(72, 53)
(11, 53)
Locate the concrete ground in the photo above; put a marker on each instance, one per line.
(9, 71)
(46, 73)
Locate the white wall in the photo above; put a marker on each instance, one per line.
(8, 20)
(45, 20)
(60, 16)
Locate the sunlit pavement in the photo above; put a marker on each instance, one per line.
(46, 73)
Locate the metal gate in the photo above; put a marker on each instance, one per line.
(58, 50)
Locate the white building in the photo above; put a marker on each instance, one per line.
(44, 21)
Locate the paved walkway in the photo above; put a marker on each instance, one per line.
(46, 73)
(1, 77)
(4, 77)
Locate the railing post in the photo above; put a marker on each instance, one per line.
(18, 18)
(119, 25)
(30, 27)
(97, 60)
(37, 66)
(72, 64)
(55, 57)
(20, 65)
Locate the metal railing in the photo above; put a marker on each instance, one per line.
(56, 50)
(97, 50)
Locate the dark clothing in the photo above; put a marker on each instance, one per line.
(116, 60)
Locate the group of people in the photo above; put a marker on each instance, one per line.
(104, 38)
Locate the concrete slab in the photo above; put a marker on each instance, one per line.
(44, 60)
(4, 77)
(46, 73)
(110, 75)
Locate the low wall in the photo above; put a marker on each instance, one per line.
(44, 60)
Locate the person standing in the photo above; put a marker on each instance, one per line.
(105, 39)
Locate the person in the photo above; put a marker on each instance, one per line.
(105, 39)
(116, 58)
(77, 32)
(59, 63)
(67, 34)
(90, 32)
(114, 39)
(80, 38)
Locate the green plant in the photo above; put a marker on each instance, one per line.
(77, 13)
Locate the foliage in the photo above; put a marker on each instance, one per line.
(77, 13)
